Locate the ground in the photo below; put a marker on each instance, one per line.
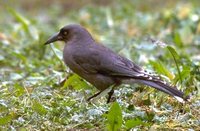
(163, 37)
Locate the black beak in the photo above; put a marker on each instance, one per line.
(53, 38)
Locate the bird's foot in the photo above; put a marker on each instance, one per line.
(94, 96)
(110, 95)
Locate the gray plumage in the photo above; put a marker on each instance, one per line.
(101, 66)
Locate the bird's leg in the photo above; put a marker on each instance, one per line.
(110, 94)
(112, 90)
(94, 96)
(100, 92)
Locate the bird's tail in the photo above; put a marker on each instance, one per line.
(165, 87)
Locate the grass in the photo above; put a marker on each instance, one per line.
(31, 97)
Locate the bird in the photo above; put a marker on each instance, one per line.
(102, 67)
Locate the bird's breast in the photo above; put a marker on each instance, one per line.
(68, 53)
(98, 80)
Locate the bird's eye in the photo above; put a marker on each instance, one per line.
(65, 33)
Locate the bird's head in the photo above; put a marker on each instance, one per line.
(69, 32)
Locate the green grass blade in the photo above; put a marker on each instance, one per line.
(176, 60)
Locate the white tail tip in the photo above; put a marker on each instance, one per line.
(179, 99)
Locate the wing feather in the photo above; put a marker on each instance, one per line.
(103, 60)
